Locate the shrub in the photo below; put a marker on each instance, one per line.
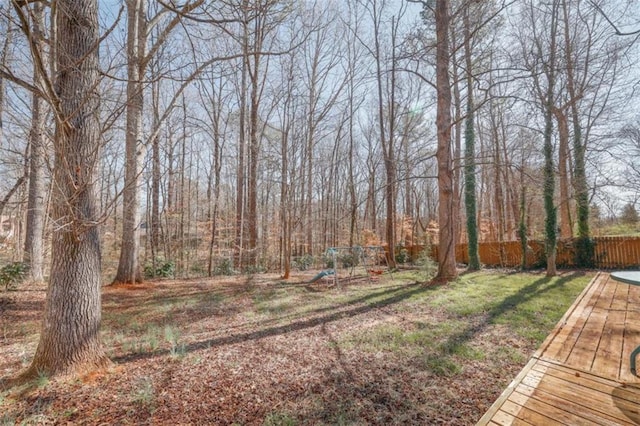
(13, 274)
(402, 255)
(349, 259)
(255, 269)
(224, 267)
(303, 263)
(163, 269)
(426, 264)
(327, 259)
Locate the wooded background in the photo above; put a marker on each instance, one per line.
(242, 134)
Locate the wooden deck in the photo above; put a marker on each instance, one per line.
(581, 373)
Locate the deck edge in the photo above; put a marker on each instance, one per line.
(497, 404)
(563, 321)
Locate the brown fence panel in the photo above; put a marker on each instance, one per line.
(609, 253)
(617, 252)
(491, 254)
(507, 254)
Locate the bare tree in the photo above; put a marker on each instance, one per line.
(139, 55)
(4, 60)
(446, 216)
(69, 339)
(15, 155)
(36, 205)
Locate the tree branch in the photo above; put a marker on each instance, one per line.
(615, 28)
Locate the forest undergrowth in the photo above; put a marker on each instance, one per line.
(261, 351)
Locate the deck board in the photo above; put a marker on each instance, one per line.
(578, 412)
(559, 348)
(607, 358)
(581, 374)
(631, 341)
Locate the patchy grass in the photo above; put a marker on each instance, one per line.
(260, 351)
(528, 304)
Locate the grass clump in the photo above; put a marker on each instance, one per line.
(432, 346)
(42, 379)
(172, 336)
(279, 419)
(144, 394)
(440, 365)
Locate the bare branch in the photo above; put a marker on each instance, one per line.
(186, 15)
(615, 28)
(167, 30)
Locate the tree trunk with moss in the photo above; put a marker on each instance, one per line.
(469, 155)
(522, 228)
(585, 246)
(551, 220)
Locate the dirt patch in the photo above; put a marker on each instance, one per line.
(259, 351)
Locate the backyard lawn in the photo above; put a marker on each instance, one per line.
(261, 351)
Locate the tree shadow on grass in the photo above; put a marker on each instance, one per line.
(363, 305)
(525, 294)
(357, 306)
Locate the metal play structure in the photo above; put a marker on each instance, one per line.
(373, 259)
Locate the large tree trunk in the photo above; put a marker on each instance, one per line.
(497, 182)
(242, 137)
(128, 267)
(566, 225)
(584, 255)
(36, 204)
(456, 127)
(446, 216)
(551, 221)
(387, 136)
(69, 340)
(213, 190)
(353, 199)
(285, 207)
(470, 153)
(156, 176)
(254, 153)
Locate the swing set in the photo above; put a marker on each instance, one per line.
(372, 259)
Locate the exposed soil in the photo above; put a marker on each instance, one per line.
(235, 351)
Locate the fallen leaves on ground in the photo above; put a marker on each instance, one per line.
(241, 351)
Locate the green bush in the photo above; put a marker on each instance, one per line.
(327, 259)
(402, 255)
(427, 265)
(166, 269)
(225, 267)
(254, 269)
(13, 274)
(303, 263)
(349, 259)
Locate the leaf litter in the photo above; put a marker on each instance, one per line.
(261, 351)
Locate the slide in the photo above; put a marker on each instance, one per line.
(322, 274)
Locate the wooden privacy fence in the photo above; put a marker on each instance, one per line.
(609, 253)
